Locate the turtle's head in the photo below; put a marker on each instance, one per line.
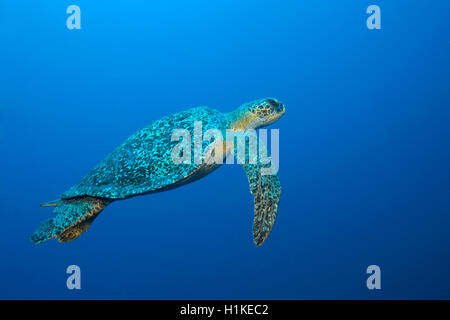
(256, 114)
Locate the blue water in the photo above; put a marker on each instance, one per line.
(365, 147)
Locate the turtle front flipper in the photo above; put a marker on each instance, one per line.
(73, 217)
(266, 190)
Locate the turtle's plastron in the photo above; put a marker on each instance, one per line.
(73, 217)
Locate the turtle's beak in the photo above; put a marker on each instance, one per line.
(280, 109)
(279, 112)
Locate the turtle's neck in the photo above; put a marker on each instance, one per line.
(241, 119)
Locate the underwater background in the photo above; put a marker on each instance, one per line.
(364, 147)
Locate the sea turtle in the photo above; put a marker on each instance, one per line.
(144, 164)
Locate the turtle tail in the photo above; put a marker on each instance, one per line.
(73, 217)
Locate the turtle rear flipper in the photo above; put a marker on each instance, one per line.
(73, 217)
(74, 232)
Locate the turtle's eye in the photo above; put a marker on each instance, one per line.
(272, 102)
